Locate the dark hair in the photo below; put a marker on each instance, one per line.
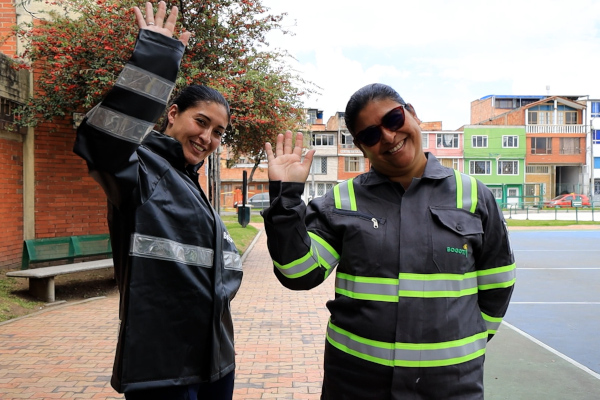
(191, 95)
(364, 95)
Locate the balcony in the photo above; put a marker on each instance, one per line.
(572, 128)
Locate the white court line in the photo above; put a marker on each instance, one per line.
(558, 302)
(550, 349)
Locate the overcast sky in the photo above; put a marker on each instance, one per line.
(442, 55)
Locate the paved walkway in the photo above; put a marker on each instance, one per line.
(67, 352)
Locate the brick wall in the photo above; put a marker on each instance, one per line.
(8, 19)
(67, 201)
(11, 206)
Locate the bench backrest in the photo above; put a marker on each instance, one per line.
(64, 248)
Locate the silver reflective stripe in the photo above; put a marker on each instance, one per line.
(408, 285)
(437, 285)
(343, 194)
(145, 83)
(232, 260)
(320, 254)
(497, 278)
(165, 249)
(408, 354)
(491, 323)
(118, 124)
(466, 192)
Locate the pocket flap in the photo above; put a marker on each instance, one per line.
(460, 221)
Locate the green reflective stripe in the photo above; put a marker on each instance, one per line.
(497, 278)
(343, 194)
(408, 285)
(408, 354)
(326, 255)
(367, 288)
(320, 254)
(492, 323)
(437, 285)
(466, 192)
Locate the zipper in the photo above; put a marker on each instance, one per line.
(374, 220)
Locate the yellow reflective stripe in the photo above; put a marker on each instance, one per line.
(400, 354)
(497, 278)
(437, 285)
(466, 191)
(343, 194)
(320, 254)
(492, 323)
(367, 288)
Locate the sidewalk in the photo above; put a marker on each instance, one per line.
(67, 352)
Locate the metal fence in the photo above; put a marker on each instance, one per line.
(534, 211)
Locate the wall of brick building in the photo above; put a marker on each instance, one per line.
(8, 19)
(67, 201)
(11, 206)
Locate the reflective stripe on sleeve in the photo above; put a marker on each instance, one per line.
(232, 260)
(407, 354)
(497, 278)
(320, 254)
(492, 323)
(165, 249)
(466, 192)
(145, 83)
(118, 124)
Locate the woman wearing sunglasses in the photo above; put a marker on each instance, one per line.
(423, 267)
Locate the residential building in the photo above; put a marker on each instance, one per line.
(593, 144)
(496, 156)
(447, 146)
(556, 132)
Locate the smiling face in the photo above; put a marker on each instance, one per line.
(199, 129)
(399, 154)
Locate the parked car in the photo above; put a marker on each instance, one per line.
(258, 201)
(565, 200)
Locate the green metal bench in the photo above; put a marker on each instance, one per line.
(70, 248)
(64, 248)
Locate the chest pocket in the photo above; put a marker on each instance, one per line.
(455, 237)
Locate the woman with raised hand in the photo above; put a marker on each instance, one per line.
(176, 266)
(423, 267)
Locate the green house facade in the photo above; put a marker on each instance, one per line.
(495, 155)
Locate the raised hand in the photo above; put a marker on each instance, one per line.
(157, 22)
(286, 164)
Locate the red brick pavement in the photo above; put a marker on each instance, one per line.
(67, 352)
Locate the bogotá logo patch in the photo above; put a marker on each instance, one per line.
(464, 251)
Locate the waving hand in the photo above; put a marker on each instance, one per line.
(157, 22)
(286, 164)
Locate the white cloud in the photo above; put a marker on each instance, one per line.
(442, 55)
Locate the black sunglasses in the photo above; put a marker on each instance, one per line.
(392, 120)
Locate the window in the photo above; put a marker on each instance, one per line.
(323, 139)
(570, 117)
(541, 117)
(569, 146)
(319, 166)
(447, 140)
(504, 103)
(449, 162)
(541, 145)
(596, 162)
(312, 117)
(497, 192)
(508, 168)
(480, 167)
(510, 141)
(322, 188)
(530, 190)
(537, 169)
(480, 141)
(424, 140)
(347, 140)
(596, 136)
(354, 164)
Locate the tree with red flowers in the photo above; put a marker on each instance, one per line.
(78, 51)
